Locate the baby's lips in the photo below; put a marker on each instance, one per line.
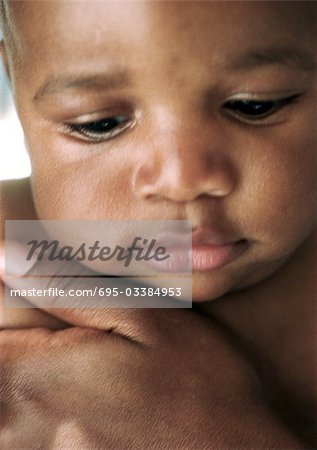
(16, 262)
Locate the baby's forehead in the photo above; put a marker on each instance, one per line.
(298, 10)
(56, 29)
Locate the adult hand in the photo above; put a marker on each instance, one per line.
(182, 385)
(24, 315)
(86, 309)
(131, 378)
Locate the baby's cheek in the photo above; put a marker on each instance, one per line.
(285, 200)
(72, 194)
(95, 188)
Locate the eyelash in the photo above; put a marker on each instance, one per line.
(112, 126)
(262, 108)
(235, 108)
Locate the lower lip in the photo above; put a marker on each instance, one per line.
(204, 258)
(211, 257)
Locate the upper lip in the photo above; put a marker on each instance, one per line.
(199, 236)
(203, 236)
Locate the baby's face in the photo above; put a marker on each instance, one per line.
(204, 111)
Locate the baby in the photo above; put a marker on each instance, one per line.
(200, 111)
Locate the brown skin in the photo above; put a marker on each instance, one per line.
(276, 321)
(186, 157)
(16, 203)
(32, 361)
(162, 389)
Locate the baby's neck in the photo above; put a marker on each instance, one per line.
(275, 322)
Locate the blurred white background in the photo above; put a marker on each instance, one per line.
(14, 161)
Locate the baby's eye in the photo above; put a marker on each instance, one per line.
(100, 130)
(255, 110)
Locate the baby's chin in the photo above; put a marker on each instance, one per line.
(198, 287)
(208, 287)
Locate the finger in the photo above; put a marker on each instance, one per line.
(26, 317)
(84, 300)
(23, 315)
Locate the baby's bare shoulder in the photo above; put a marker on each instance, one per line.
(16, 202)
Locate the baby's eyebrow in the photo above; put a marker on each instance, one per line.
(55, 84)
(290, 57)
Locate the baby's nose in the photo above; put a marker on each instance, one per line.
(184, 167)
